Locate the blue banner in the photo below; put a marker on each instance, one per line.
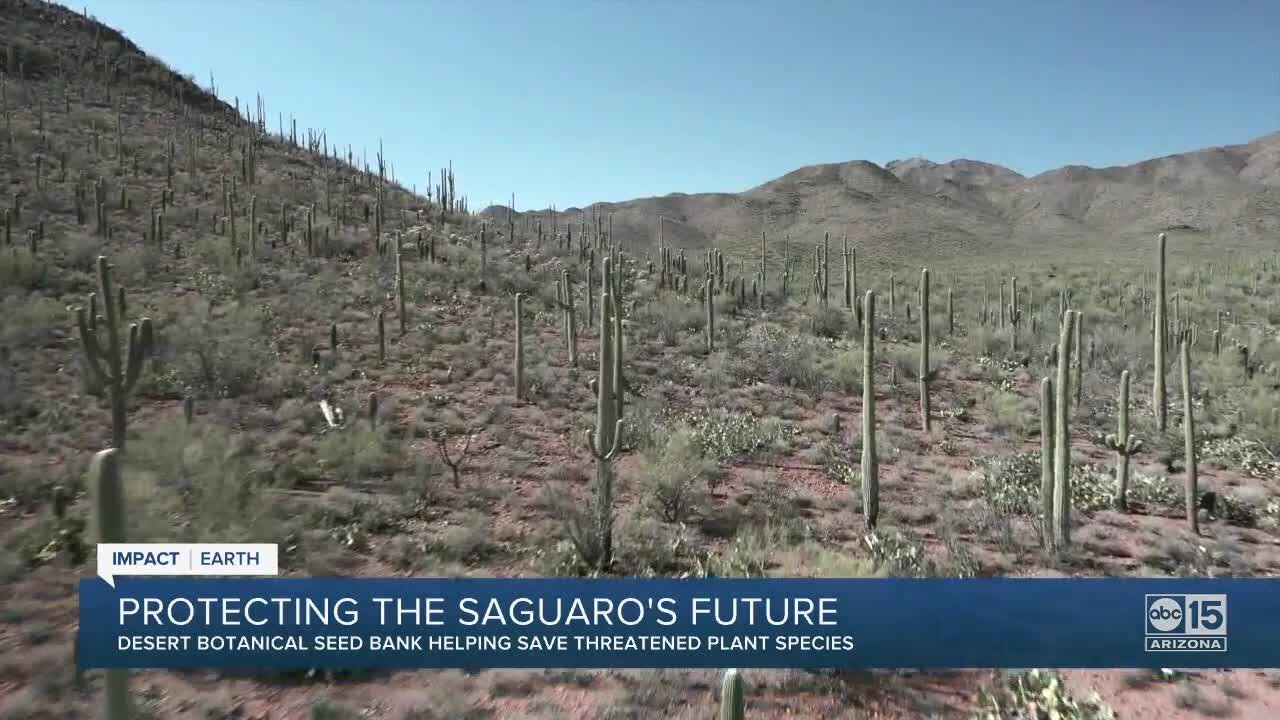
(382, 623)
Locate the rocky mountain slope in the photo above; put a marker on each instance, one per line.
(963, 208)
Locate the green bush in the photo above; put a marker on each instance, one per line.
(674, 476)
(210, 354)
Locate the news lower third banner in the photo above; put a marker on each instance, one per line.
(383, 623)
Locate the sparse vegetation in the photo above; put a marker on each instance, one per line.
(557, 399)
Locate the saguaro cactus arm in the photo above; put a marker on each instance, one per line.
(92, 350)
(141, 344)
(601, 453)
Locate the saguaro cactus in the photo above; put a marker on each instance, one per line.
(708, 298)
(826, 267)
(382, 337)
(870, 467)
(1014, 314)
(519, 359)
(733, 697)
(118, 374)
(1189, 439)
(108, 515)
(1046, 463)
(253, 226)
(764, 256)
(604, 441)
(925, 420)
(564, 300)
(951, 313)
(400, 303)
(1062, 436)
(484, 258)
(849, 291)
(1158, 400)
(1077, 365)
(1124, 445)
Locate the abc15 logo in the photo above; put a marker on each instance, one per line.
(1186, 614)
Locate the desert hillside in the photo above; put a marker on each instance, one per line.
(279, 343)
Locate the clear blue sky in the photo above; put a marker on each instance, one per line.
(568, 103)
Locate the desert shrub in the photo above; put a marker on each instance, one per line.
(646, 547)
(356, 453)
(210, 354)
(770, 353)
(769, 500)
(829, 322)
(1009, 412)
(23, 270)
(1260, 415)
(748, 555)
(350, 517)
(465, 539)
(674, 319)
(80, 252)
(134, 263)
(846, 370)
(644, 424)
(1249, 455)
(840, 461)
(1010, 485)
(723, 433)
(674, 476)
(814, 559)
(991, 342)
(1039, 694)
(33, 320)
(207, 478)
(906, 358)
(1115, 350)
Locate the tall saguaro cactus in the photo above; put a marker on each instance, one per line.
(566, 304)
(849, 291)
(401, 314)
(1062, 436)
(113, 370)
(604, 441)
(733, 696)
(1124, 445)
(951, 313)
(1014, 314)
(1189, 439)
(826, 267)
(708, 297)
(1077, 364)
(1047, 415)
(925, 420)
(870, 466)
(484, 259)
(764, 257)
(518, 369)
(108, 516)
(1158, 400)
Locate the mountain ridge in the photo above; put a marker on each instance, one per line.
(913, 204)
